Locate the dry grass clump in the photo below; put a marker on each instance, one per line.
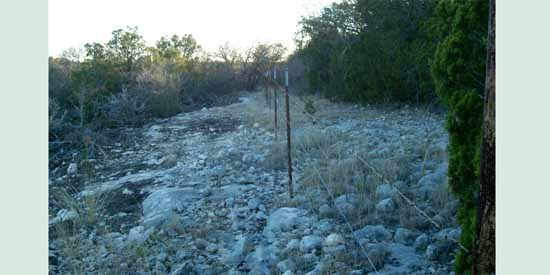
(300, 114)
(256, 112)
(89, 211)
(342, 262)
(277, 157)
(82, 243)
(441, 197)
(319, 143)
(307, 144)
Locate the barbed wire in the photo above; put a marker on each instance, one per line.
(272, 82)
(383, 178)
(350, 227)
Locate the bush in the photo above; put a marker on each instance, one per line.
(165, 104)
(373, 51)
(126, 109)
(458, 71)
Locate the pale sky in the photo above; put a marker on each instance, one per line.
(72, 23)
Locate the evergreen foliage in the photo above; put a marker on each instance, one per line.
(374, 51)
(458, 72)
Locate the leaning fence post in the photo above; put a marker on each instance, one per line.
(288, 135)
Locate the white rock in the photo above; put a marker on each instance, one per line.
(286, 265)
(448, 234)
(286, 219)
(262, 260)
(421, 242)
(293, 244)
(333, 240)
(138, 234)
(373, 233)
(64, 215)
(72, 169)
(261, 216)
(253, 204)
(239, 251)
(310, 243)
(159, 206)
(431, 252)
(385, 205)
(384, 191)
(212, 248)
(428, 184)
(346, 203)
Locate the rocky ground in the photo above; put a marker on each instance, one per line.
(206, 192)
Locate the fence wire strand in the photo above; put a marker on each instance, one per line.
(350, 227)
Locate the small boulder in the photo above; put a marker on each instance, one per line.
(378, 253)
(212, 248)
(333, 240)
(384, 191)
(448, 234)
(404, 236)
(333, 244)
(72, 169)
(293, 244)
(240, 249)
(286, 265)
(386, 205)
(64, 215)
(169, 161)
(286, 219)
(325, 225)
(310, 243)
(201, 244)
(347, 203)
(138, 235)
(253, 204)
(373, 233)
(429, 183)
(440, 250)
(432, 252)
(421, 242)
(325, 211)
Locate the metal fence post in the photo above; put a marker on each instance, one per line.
(275, 112)
(290, 192)
(266, 88)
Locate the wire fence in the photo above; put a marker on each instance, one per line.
(272, 84)
(272, 88)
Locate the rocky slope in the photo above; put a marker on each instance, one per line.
(206, 193)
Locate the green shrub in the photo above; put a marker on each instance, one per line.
(458, 70)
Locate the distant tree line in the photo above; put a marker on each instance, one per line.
(125, 83)
(373, 51)
(414, 51)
